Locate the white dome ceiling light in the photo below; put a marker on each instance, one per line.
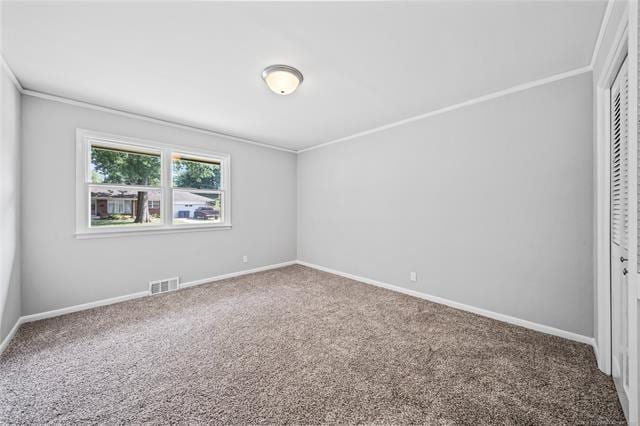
(282, 79)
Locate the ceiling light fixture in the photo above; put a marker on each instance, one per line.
(282, 79)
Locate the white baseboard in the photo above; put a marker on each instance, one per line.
(82, 307)
(484, 312)
(110, 301)
(237, 274)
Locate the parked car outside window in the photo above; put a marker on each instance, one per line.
(206, 213)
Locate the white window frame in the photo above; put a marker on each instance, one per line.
(86, 138)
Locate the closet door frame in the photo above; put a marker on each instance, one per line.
(625, 46)
(603, 197)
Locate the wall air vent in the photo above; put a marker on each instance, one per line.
(163, 286)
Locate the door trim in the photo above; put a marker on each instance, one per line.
(602, 271)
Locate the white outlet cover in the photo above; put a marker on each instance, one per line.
(413, 276)
(245, 258)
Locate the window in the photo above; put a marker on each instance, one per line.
(196, 189)
(127, 185)
(121, 180)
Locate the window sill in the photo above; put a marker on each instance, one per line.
(111, 233)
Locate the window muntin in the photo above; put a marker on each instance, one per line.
(121, 175)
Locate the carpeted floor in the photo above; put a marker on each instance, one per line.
(295, 345)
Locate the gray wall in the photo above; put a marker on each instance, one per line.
(61, 271)
(9, 205)
(490, 204)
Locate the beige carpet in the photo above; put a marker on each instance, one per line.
(296, 345)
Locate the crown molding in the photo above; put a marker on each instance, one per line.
(480, 99)
(128, 114)
(596, 49)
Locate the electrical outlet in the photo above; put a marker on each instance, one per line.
(245, 258)
(413, 276)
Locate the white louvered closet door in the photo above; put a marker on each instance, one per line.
(619, 162)
(620, 234)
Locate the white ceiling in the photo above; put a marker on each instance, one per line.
(365, 64)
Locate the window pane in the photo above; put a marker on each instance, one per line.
(124, 167)
(195, 174)
(119, 207)
(196, 207)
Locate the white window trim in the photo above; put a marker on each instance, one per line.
(84, 139)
